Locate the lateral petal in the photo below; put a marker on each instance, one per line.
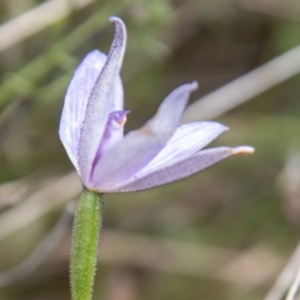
(186, 140)
(139, 147)
(99, 104)
(183, 168)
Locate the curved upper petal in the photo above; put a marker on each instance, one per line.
(183, 168)
(99, 105)
(186, 140)
(139, 147)
(76, 99)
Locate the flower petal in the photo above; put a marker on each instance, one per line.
(76, 100)
(187, 139)
(99, 105)
(183, 168)
(139, 147)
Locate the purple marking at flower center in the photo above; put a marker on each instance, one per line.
(113, 133)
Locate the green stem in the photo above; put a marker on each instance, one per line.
(86, 231)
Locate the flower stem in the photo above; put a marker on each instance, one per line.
(86, 232)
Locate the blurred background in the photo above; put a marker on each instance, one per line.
(226, 233)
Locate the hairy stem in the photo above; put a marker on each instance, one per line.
(86, 232)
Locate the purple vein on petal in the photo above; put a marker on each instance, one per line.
(184, 168)
(99, 104)
(139, 147)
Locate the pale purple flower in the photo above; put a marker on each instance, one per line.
(162, 151)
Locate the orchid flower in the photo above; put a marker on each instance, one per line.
(160, 152)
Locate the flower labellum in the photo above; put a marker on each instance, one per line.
(160, 152)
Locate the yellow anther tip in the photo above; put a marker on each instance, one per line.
(243, 150)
